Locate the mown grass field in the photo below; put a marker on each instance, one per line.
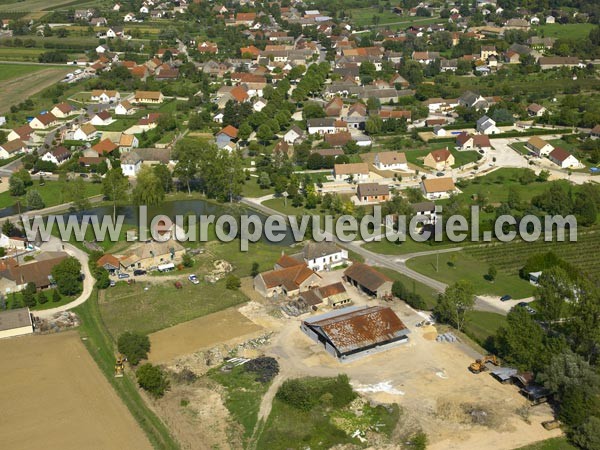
(9, 71)
(567, 30)
(495, 186)
(481, 325)
(559, 443)
(131, 307)
(462, 266)
(428, 294)
(52, 193)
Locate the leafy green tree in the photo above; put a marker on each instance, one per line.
(527, 177)
(114, 187)
(135, 346)
(521, 340)
(163, 173)
(152, 379)
(254, 270)
(56, 297)
(264, 181)
(187, 260)
(455, 303)
(264, 133)
(41, 298)
(232, 282)
(588, 434)
(67, 276)
(16, 186)
(187, 153)
(492, 273)
(76, 192)
(244, 131)
(33, 200)
(102, 277)
(313, 110)
(148, 189)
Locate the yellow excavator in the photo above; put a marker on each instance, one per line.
(120, 366)
(480, 365)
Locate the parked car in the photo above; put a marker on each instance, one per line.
(505, 298)
(122, 276)
(194, 279)
(83, 175)
(112, 283)
(139, 272)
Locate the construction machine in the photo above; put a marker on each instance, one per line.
(120, 366)
(480, 364)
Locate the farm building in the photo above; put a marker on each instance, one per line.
(334, 295)
(353, 332)
(288, 281)
(15, 322)
(317, 256)
(368, 280)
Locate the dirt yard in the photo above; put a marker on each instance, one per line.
(14, 90)
(430, 380)
(55, 397)
(203, 332)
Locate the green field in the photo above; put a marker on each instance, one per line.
(41, 5)
(131, 307)
(508, 258)
(9, 71)
(462, 266)
(428, 294)
(243, 395)
(567, 30)
(495, 186)
(559, 443)
(481, 325)
(327, 421)
(20, 54)
(53, 193)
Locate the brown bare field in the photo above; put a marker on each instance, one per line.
(55, 397)
(15, 90)
(200, 333)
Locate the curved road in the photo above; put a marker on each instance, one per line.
(56, 245)
(398, 263)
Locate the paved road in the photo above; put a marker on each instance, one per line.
(16, 219)
(55, 244)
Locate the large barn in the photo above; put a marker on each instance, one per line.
(356, 331)
(15, 322)
(368, 280)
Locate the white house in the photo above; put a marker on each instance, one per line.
(104, 96)
(391, 161)
(124, 109)
(259, 105)
(57, 156)
(321, 126)
(550, 19)
(563, 158)
(102, 118)
(437, 188)
(131, 164)
(129, 17)
(320, 256)
(485, 125)
(218, 118)
(63, 110)
(293, 134)
(539, 146)
(128, 142)
(86, 132)
(12, 148)
(356, 171)
(43, 121)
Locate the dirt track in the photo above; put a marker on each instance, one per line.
(54, 397)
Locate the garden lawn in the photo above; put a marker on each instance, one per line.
(130, 307)
(9, 71)
(559, 443)
(567, 30)
(52, 192)
(428, 294)
(457, 266)
(481, 325)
